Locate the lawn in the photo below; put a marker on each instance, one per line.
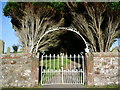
(52, 64)
(55, 64)
(105, 86)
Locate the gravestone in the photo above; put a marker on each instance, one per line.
(8, 50)
(2, 46)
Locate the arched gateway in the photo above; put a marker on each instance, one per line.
(63, 68)
(68, 29)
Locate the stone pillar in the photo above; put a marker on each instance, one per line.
(35, 72)
(8, 50)
(1, 47)
(89, 69)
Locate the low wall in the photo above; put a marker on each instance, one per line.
(18, 70)
(103, 68)
(22, 70)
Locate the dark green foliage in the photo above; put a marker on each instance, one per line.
(15, 11)
(59, 6)
(15, 48)
(12, 7)
(54, 63)
(95, 17)
(56, 5)
(8, 9)
(114, 5)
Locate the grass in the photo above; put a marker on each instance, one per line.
(54, 63)
(88, 87)
(104, 86)
(47, 76)
(39, 85)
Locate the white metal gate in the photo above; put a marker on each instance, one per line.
(62, 69)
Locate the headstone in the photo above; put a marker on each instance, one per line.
(8, 50)
(2, 46)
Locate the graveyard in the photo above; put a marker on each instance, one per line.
(62, 45)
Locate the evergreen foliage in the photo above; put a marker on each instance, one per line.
(15, 48)
(31, 19)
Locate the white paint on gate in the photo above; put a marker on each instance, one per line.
(72, 73)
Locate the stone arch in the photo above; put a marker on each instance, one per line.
(69, 29)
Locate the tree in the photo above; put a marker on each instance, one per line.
(114, 5)
(31, 20)
(15, 48)
(98, 24)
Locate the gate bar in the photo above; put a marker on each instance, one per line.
(83, 67)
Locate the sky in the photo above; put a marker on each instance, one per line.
(8, 35)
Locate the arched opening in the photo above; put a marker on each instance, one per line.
(70, 41)
(65, 41)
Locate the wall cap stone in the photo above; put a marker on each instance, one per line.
(16, 55)
(106, 54)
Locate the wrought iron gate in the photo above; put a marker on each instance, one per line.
(62, 69)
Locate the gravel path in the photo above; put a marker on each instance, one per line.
(69, 77)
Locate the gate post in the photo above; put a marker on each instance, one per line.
(35, 71)
(89, 67)
(62, 69)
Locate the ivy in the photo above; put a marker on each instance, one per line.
(114, 5)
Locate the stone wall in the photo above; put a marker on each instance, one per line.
(18, 70)
(22, 70)
(103, 68)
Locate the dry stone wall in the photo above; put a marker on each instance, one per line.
(22, 70)
(17, 70)
(104, 69)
